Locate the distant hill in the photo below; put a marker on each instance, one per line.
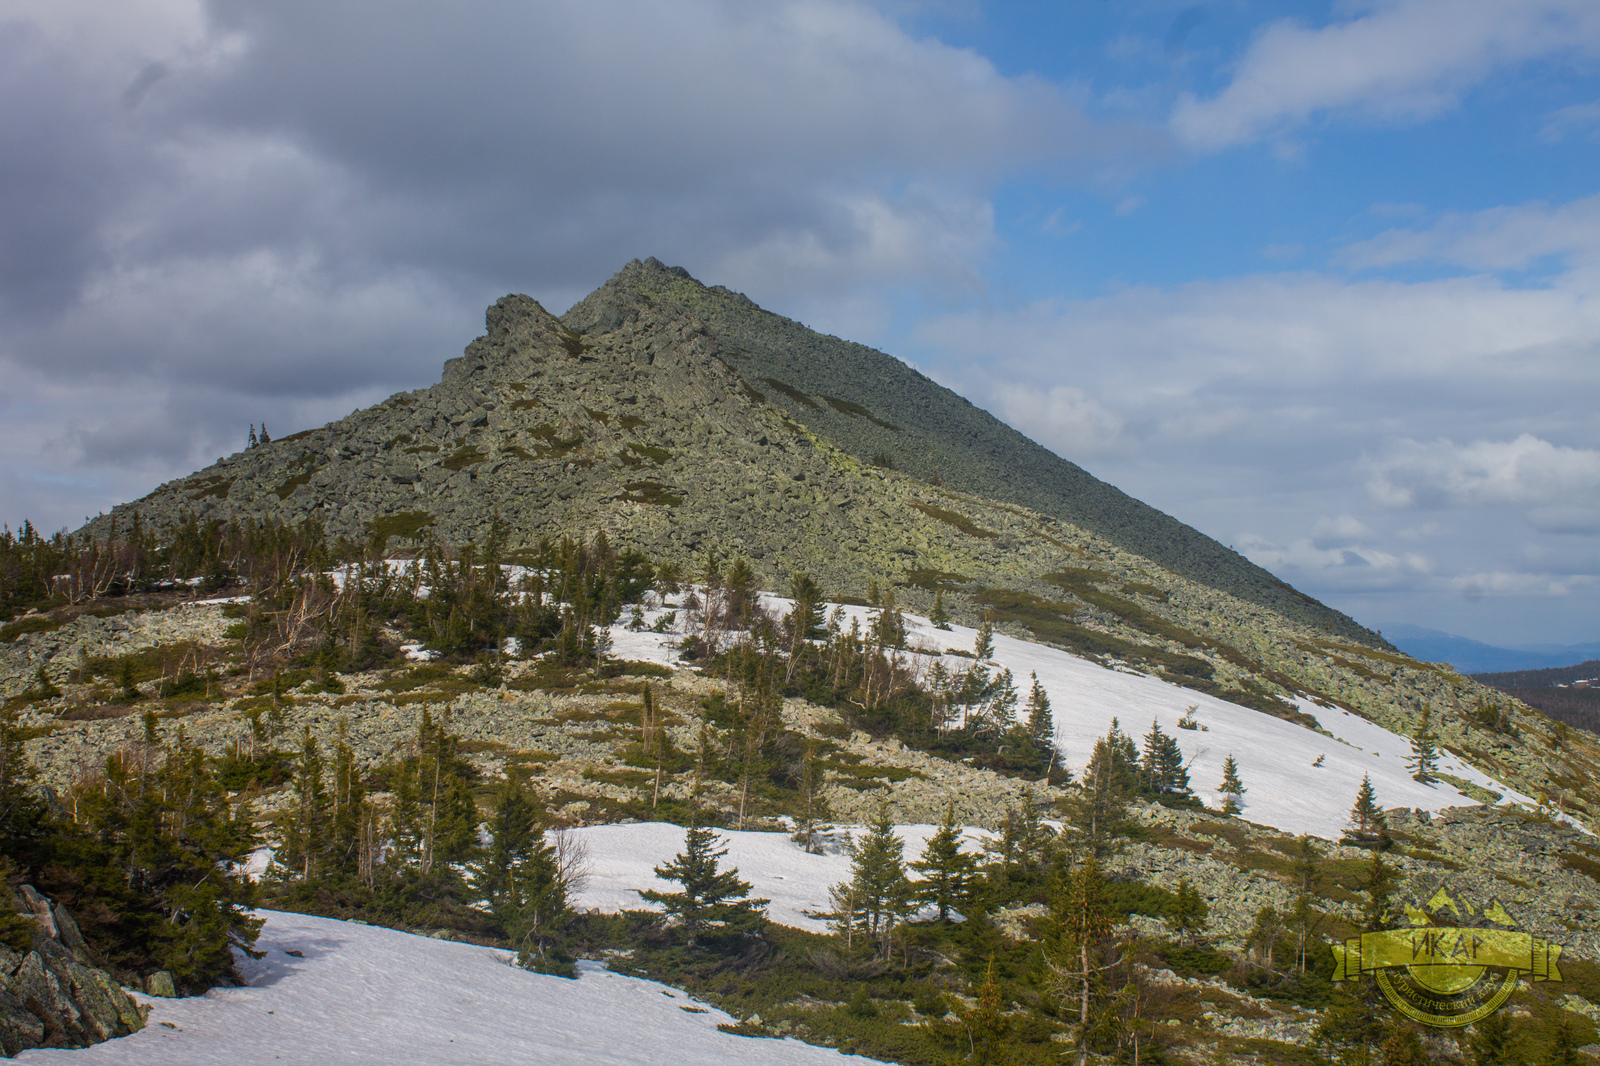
(1475, 657)
(1569, 694)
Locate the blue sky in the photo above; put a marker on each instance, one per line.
(1318, 278)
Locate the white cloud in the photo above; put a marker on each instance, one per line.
(1501, 583)
(1397, 60)
(1526, 470)
(1500, 238)
(1064, 418)
(1574, 120)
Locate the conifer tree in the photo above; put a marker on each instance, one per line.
(1424, 760)
(983, 643)
(1403, 1047)
(1564, 1048)
(1098, 809)
(21, 812)
(521, 876)
(939, 616)
(1492, 1042)
(1379, 885)
(813, 807)
(1367, 823)
(878, 877)
(1076, 959)
(1003, 704)
(1162, 764)
(1188, 913)
(1041, 724)
(947, 871)
(713, 903)
(1305, 868)
(1231, 788)
(305, 833)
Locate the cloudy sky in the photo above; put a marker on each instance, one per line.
(1321, 279)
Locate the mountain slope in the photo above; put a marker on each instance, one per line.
(871, 404)
(640, 428)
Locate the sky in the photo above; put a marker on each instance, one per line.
(1320, 279)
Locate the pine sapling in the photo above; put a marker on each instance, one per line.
(1231, 788)
(1424, 760)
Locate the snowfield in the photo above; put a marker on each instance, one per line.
(622, 858)
(1275, 757)
(364, 995)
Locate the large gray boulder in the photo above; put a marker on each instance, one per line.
(50, 996)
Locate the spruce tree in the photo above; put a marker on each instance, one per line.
(1231, 788)
(1366, 824)
(1564, 1048)
(1403, 1047)
(983, 644)
(307, 820)
(1003, 704)
(1075, 955)
(1424, 760)
(947, 872)
(1379, 884)
(21, 812)
(1041, 724)
(713, 903)
(1097, 810)
(1492, 1042)
(878, 877)
(1162, 764)
(939, 616)
(1188, 913)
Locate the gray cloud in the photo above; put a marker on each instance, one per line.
(215, 212)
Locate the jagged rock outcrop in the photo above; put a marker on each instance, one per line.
(50, 996)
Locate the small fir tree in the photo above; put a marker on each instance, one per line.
(939, 616)
(1041, 724)
(1076, 955)
(1231, 788)
(1424, 760)
(1403, 1047)
(1161, 764)
(878, 878)
(948, 873)
(1379, 884)
(1188, 913)
(1367, 823)
(1492, 1043)
(714, 903)
(983, 643)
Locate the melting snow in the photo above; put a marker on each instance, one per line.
(365, 995)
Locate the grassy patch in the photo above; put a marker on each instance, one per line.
(406, 524)
(793, 393)
(651, 492)
(526, 403)
(308, 467)
(551, 442)
(33, 624)
(465, 456)
(855, 410)
(642, 454)
(959, 521)
(214, 487)
(934, 580)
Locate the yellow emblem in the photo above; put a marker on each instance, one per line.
(1449, 975)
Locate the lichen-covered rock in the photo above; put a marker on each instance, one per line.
(48, 998)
